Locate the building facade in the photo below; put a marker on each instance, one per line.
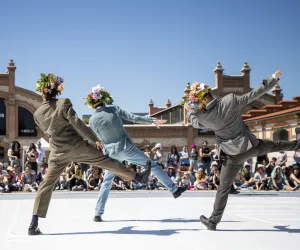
(17, 106)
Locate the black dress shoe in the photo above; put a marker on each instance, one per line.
(179, 191)
(34, 231)
(210, 226)
(143, 177)
(97, 219)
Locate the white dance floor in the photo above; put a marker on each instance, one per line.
(153, 221)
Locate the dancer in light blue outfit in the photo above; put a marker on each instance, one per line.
(106, 122)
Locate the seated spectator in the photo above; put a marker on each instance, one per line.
(192, 175)
(239, 180)
(279, 180)
(261, 178)
(95, 179)
(295, 177)
(260, 159)
(42, 173)
(74, 181)
(248, 177)
(216, 179)
(153, 183)
(186, 180)
(11, 179)
(28, 181)
(297, 156)
(271, 166)
(202, 180)
(3, 180)
(171, 172)
(213, 167)
(158, 154)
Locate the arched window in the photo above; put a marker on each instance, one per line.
(2, 117)
(27, 126)
(281, 135)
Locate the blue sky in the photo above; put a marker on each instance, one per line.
(148, 49)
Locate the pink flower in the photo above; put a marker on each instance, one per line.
(52, 85)
(192, 97)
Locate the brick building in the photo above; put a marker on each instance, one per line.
(17, 106)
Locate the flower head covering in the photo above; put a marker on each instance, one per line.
(98, 96)
(198, 90)
(50, 85)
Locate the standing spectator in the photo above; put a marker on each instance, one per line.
(148, 152)
(281, 159)
(41, 155)
(193, 157)
(205, 156)
(14, 154)
(260, 159)
(3, 179)
(297, 156)
(184, 159)
(214, 153)
(173, 157)
(32, 156)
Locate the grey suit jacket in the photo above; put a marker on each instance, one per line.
(59, 121)
(224, 117)
(106, 122)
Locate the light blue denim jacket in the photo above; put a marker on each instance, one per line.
(106, 122)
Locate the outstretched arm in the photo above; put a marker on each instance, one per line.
(134, 118)
(264, 87)
(84, 131)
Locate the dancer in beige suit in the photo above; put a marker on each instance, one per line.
(70, 140)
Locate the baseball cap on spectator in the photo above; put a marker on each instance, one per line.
(247, 164)
(158, 145)
(214, 163)
(260, 166)
(193, 146)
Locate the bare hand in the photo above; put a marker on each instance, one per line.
(99, 145)
(277, 74)
(157, 123)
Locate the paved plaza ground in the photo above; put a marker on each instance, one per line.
(153, 220)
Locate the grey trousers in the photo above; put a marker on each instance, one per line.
(233, 164)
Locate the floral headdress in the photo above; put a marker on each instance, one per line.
(98, 96)
(48, 84)
(196, 94)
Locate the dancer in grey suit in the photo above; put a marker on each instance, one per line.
(235, 141)
(58, 120)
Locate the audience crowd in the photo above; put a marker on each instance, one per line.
(197, 169)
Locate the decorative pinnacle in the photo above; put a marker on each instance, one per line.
(218, 67)
(245, 67)
(151, 102)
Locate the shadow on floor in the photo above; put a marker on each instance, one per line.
(279, 229)
(175, 220)
(130, 231)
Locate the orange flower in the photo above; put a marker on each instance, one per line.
(46, 90)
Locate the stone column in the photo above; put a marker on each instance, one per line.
(190, 135)
(11, 104)
(246, 74)
(219, 79)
